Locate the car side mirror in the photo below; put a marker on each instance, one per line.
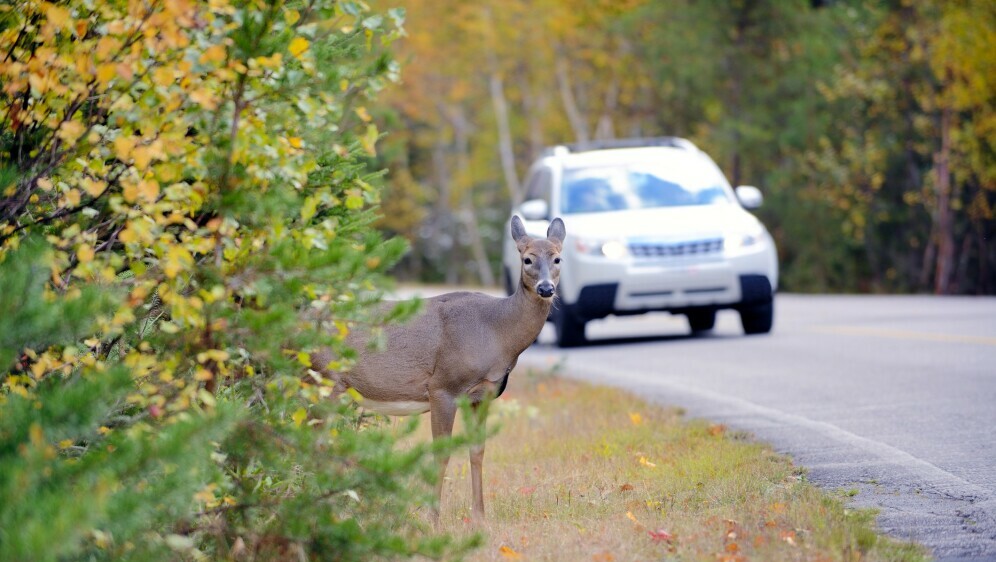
(750, 197)
(535, 209)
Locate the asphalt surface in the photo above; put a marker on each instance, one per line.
(894, 397)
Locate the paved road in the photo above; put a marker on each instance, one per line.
(893, 396)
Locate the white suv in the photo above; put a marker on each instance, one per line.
(652, 224)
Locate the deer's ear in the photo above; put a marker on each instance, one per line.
(557, 232)
(519, 232)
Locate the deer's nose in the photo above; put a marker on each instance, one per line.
(545, 289)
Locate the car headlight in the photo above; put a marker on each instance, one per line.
(613, 249)
(743, 240)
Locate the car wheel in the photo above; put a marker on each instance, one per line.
(507, 278)
(757, 318)
(701, 320)
(570, 329)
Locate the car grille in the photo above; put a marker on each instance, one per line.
(689, 248)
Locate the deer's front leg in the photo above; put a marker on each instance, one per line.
(442, 411)
(477, 460)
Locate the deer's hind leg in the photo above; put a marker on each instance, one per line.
(477, 459)
(442, 412)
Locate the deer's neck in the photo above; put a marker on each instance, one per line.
(524, 314)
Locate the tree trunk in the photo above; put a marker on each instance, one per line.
(505, 149)
(605, 129)
(533, 106)
(574, 116)
(945, 214)
(468, 216)
(442, 249)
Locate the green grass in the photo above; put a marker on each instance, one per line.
(578, 472)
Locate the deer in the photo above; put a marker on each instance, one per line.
(460, 345)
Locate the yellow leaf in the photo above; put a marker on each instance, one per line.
(71, 130)
(509, 553)
(123, 147)
(645, 462)
(369, 140)
(299, 416)
(107, 46)
(297, 46)
(304, 358)
(73, 197)
(362, 113)
(45, 184)
(85, 253)
(205, 98)
(57, 16)
(354, 201)
(177, 258)
(106, 73)
(635, 418)
(294, 141)
(291, 16)
(65, 443)
(214, 53)
(163, 76)
(142, 157)
(94, 187)
(309, 208)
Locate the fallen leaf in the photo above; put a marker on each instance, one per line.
(717, 429)
(660, 535)
(508, 553)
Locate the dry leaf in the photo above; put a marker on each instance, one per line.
(661, 535)
(508, 553)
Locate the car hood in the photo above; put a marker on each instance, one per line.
(668, 223)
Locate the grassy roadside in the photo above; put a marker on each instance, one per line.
(579, 472)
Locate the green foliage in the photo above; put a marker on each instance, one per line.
(35, 318)
(201, 174)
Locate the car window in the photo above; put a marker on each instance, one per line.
(640, 186)
(539, 185)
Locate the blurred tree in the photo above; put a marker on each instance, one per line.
(868, 124)
(200, 174)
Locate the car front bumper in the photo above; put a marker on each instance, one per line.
(596, 287)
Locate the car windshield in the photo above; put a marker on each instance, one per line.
(596, 189)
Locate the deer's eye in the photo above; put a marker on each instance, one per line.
(527, 261)
(556, 260)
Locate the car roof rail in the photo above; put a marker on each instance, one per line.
(603, 144)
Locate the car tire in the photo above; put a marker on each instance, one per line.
(757, 318)
(701, 320)
(569, 328)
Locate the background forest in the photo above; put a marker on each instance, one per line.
(870, 126)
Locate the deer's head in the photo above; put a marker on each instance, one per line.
(540, 258)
